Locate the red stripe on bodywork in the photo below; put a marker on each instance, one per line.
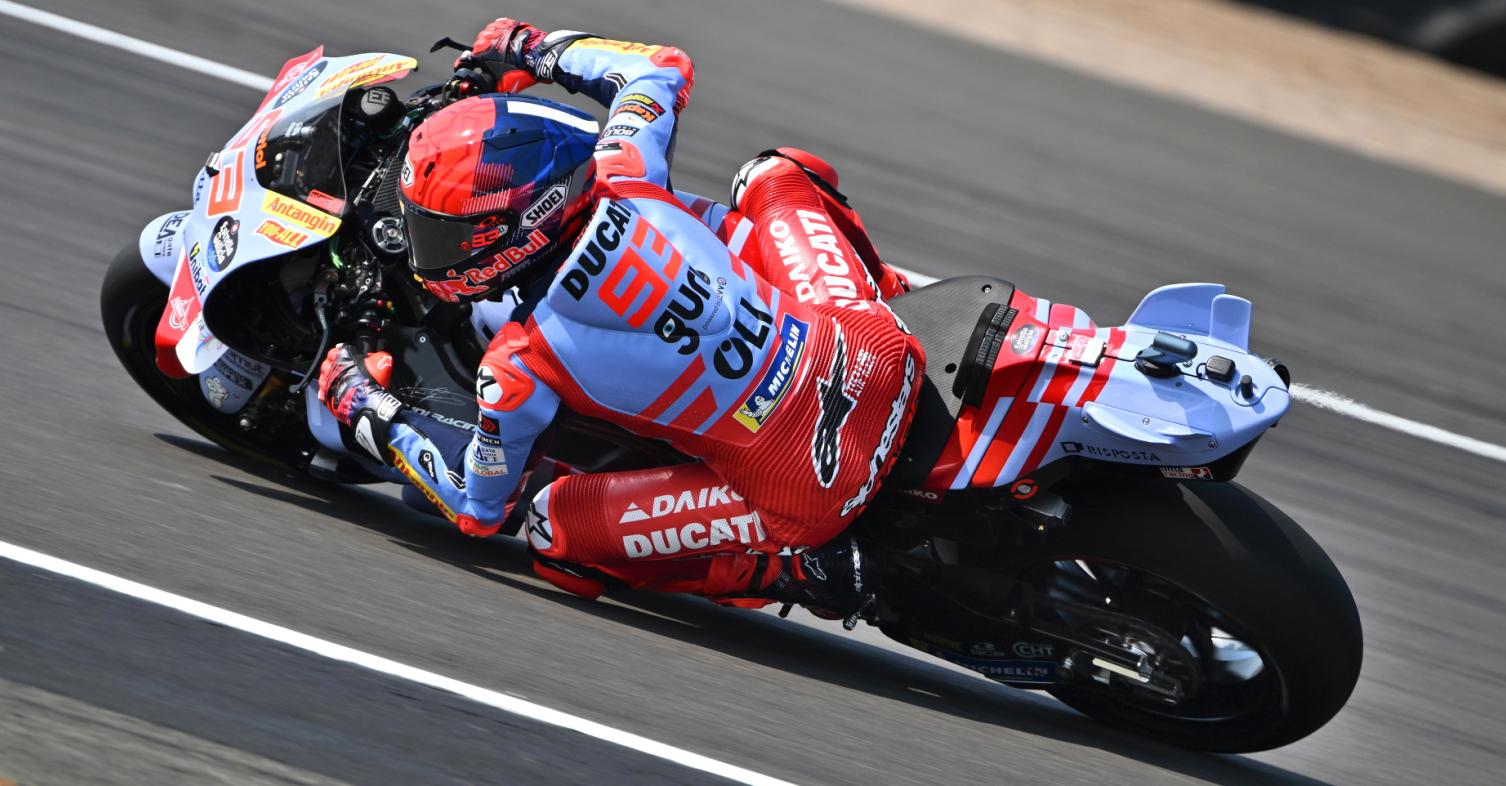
(1042, 445)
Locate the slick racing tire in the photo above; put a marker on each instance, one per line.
(1216, 551)
(131, 300)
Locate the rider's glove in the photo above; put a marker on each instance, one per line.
(520, 45)
(353, 388)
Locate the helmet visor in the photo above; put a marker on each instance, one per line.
(437, 242)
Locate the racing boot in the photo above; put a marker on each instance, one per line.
(830, 580)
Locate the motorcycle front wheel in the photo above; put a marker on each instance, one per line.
(131, 300)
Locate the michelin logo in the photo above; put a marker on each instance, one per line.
(778, 379)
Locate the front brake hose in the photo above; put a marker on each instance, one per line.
(321, 297)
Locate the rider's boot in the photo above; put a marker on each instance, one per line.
(832, 578)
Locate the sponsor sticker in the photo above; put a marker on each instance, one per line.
(1084, 350)
(745, 528)
(164, 245)
(368, 70)
(1024, 339)
(224, 239)
(1109, 453)
(997, 668)
(897, 409)
(312, 220)
(178, 313)
(778, 379)
(1187, 473)
(689, 499)
(400, 463)
(624, 47)
(545, 205)
(301, 77)
(281, 235)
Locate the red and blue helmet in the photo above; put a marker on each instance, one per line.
(492, 188)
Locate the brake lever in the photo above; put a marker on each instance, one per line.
(448, 43)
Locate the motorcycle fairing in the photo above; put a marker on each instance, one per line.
(249, 222)
(231, 381)
(160, 241)
(1076, 392)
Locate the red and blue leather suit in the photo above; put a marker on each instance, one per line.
(756, 342)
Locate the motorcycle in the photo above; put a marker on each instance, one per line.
(1062, 516)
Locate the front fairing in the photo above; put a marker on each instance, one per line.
(249, 206)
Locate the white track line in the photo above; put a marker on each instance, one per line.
(1333, 402)
(99, 35)
(366, 660)
(1348, 407)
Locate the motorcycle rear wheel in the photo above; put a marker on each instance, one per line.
(1216, 551)
(131, 300)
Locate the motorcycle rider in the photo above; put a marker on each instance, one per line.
(753, 339)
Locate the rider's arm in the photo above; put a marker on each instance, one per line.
(644, 87)
(472, 477)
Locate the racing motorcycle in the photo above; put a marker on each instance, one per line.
(1062, 515)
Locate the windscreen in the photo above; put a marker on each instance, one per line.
(300, 156)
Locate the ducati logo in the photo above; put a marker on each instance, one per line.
(178, 319)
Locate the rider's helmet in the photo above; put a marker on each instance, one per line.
(493, 190)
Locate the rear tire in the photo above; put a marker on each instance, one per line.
(131, 301)
(1253, 564)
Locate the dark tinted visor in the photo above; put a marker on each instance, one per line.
(437, 242)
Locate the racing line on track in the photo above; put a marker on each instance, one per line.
(1323, 399)
(344, 654)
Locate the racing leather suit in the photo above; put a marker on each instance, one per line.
(755, 342)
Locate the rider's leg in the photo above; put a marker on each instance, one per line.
(672, 529)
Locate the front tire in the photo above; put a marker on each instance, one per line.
(1228, 548)
(131, 300)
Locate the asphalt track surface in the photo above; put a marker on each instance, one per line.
(1378, 282)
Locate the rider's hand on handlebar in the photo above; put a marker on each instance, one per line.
(505, 41)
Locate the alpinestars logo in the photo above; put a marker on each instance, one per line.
(897, 411)
(487, 388)
(836, 405)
